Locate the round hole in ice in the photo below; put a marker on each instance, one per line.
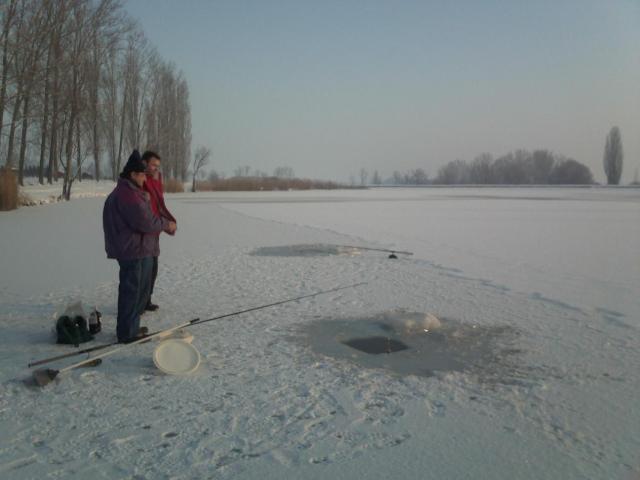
(416, 343)
(305, 250)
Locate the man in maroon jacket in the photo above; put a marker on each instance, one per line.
(153, 186)
(130, 234)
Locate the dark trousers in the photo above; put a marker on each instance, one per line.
(154, 275)
(133, 293)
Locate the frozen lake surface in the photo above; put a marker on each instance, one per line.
(533, 372)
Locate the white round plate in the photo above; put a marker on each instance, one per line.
(176, 357)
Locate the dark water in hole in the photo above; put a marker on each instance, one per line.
(376, 345)
(490, 351)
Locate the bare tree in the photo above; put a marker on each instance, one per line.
(106, 27)
(417, 177)
(283, 172)
(18, 67)
(8, 12)
(481, 169)
(74, 84)
(168, 118)
(542, 165)
(242, 171)
(454, 173)
(112, 98)
(138, 81)
(200, 159)
(613, 156)
(364, 175)
(39, 27)
(57, 67)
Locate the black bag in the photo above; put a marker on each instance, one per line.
(72, 331)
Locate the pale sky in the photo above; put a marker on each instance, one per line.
(330, 87)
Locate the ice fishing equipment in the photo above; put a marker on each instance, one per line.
(71, 354)
(164, 333)
(95, 363)
(72, 330)
(45, 376)
(182, 334)
(95, 325)
(392, 253)
(176, 357)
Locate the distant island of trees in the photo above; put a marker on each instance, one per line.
(522, 167)
(540, 167)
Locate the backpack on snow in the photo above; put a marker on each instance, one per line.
(72, 331)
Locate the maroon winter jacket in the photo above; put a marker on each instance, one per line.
(130, 227)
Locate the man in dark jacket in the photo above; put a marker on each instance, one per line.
(129, 230)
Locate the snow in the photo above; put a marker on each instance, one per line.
(548, 277)
(37, 194)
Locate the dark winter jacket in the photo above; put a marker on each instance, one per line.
(130, 227)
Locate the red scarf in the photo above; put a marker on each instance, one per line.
(154, 187)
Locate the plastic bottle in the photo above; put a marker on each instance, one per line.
(95, 325)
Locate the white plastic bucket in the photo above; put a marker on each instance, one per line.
(176, 357)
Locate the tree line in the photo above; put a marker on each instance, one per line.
(540, 167)
(522, 167)
(81, 81)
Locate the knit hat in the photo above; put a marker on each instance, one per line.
(134, 164)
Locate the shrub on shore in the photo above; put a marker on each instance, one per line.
(264, 183)
(173, 185)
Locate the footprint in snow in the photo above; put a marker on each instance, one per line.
(317, 461)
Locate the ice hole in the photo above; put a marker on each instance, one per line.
(305, 250)
(420, 344)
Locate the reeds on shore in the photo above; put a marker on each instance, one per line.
(264, 183)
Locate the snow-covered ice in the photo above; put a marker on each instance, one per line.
(36, 194)
(536, 289)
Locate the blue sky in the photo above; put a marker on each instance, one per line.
(330, 87)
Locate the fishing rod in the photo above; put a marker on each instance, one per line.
(72, 354)
(278, 303)
(195, 321)
(392, 252)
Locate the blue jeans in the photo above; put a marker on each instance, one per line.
(133, 293)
